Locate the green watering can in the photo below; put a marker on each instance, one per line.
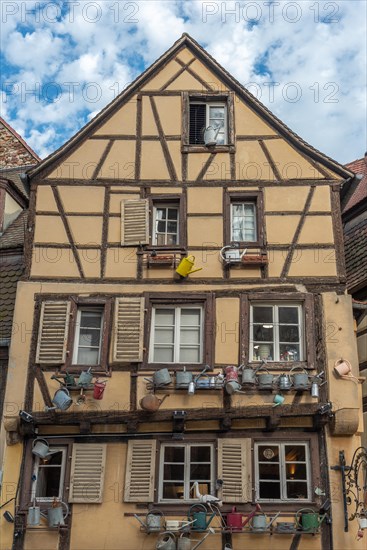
(199, 518)
(308, 520)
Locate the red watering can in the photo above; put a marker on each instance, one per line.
(234, 519)
(99, 387)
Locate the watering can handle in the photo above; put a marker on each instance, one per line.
(298, 523)
(66, 509)
(39, 439)
(243, 253)
(198, 505)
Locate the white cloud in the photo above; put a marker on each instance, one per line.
(107, 45)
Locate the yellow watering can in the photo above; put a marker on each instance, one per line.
(185, 266)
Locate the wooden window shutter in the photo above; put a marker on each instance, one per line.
(128, 330)
(140, 468)
(87, 472)
(234, 468)
(134, 222)
(53, 332)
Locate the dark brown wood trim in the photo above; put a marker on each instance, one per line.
(211, 183)
(205, 167)
(2, 207)
(139, 124)
(338, 231)
(114, 137)
(193, 73)
(167, 155)
(60, 206)
(40, 377)
(29, 389)
(310, 331)
(106, 208)
(296, 213)
(8, 186)
(256, 138)
(102, 159)
(205, 215)
(244, 329)
(297, 232)
(270, 160)
(29, 234)
(79, 214)
(183, 68)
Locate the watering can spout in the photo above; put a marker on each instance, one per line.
(186, 265)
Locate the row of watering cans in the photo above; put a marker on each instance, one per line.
(62, 399)
(55, 515)
(306, 520)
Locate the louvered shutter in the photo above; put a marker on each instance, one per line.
(134, 222)
(197, 123)
(87, 472)
(140, 467)
(128, 330)
(53, 332)
(234, 468)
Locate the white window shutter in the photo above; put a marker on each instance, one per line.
(128, 330)
(134, 222)
(87, 472)
(234, 468)
(140, 468)
(53, 332)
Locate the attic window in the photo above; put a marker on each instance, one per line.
(205, 115)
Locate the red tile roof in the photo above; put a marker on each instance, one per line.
(358, 167)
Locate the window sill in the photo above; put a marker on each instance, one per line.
(230, 148)
(280, 365)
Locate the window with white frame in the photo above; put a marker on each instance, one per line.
(88, 336)
(177, 334)
(165, 224)
(181, 466)
(276, 332)
(205, 114)
(48, 475)
(243, 221)
(282, 471)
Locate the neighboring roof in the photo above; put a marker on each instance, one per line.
(360, 192)
(355, 243)
(187, 41)
(14, 235)
(20, 139)
(13, 175)
(10, 273)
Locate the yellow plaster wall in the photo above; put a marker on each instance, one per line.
(91, 262)
(45, 199)
(285, 198)
(321, 199)
(209, 261)
(114, 230)
(120, 161)
(53, 262)
(121, 263)
(317, 229)
(153, 163)
(115, 200)
(227, 331)
(82, 162)
(280, 229)
(169, 110)
(161, 78)
(291, 164)
(205, 199)
(209, 78)
(251, 163)
(166, 190)
(185, 55)
(186, 82)
(313, 263)
(149, 126)
(49, 229)
(80, 198)
(86, 229)
(12, 462)
(248, 123)
(123, 122)
(204, 234)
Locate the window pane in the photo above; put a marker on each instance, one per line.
(160, 239)
(164, 335)
(263, 351)
(289, 352)
(200, 454)
(163, 355)
(52, 460)
(172, 227)
(173, 490)
(296, 471)
(174, 472)
(268, 453)
(90, 319)
(297, 489)
(262, 314)
(296, 453)
(160, 213)
(216, 112)
(190, 336)
(171, 239)
(288, 333)
(269, 471)
(88, 356)
(288, 315)
(174, 454)
(262, 334)
(199, 472)
(269, 490)
(172, 213)
(190, 317)
(164, 317)
(89, 337)
(190, 355)
(161, 227)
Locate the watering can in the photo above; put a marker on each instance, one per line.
(234, 519)
(232, 384)
(202, 381)
(210, 135)
(85, 378)
(264, 379)
(61, 400)
(201, 522)
(161, 377)
(55, 515)
(232, 253)
(309, 520)
(284, 381)
(99, 388)
(248, 374)
(166, 541)
(260, 522)
(183, 378)
(300, 379)
(343, 369)
(151, 403)
(185, 267)
(362, 521)
(40, 448)
(184, 543)
(154, 521)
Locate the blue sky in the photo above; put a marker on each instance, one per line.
(62, 62)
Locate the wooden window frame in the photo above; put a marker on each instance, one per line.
(255, 197)
(226, 98)
(78, 327)
(182, 224)
(206, 301)
(187, 445)
(282, 470)
(309, 341)
(36, 467)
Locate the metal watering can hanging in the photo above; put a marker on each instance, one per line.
(55, 514)
(151, 402)
(183, 378)
(61, 400)
(248, 374)
(85, 378)
(343, 369)
(210, 135)
(99, 388)
(185, 267)
(154, 521)
(184, 543)
(166, 541)
(308, 520)
(234, 519)
(284, 381)
(232, 384)
(232, 253)
(261, 522)
(300, 379)
(264, 378)
(199, 518)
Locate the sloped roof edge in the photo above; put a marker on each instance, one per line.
(188, 41)
(19, 138)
